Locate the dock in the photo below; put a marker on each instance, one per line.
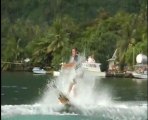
(119, 74)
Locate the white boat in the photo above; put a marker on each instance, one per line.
(140, 75)
(141, 68)
(93, 68)
(38, 70)
(56, 73)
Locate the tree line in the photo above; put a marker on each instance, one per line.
(46, 30)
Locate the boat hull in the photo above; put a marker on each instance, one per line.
(94, 69)
(138, 75)
(37, 70)
(56, 73)
(95, 73)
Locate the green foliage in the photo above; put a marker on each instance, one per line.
(46, 30)
(133, 40)
(41, 11)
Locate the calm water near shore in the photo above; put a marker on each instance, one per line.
(21, 92)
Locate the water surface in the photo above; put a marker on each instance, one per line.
(117, 99)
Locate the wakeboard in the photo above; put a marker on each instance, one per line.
(66, 102)
(69, 107)
(63, 99)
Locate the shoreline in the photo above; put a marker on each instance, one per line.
(115, 74)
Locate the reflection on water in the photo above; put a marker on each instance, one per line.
(139, 81)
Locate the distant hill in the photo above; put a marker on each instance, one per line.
(45, 10)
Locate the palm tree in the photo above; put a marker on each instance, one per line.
(126, 37)
(54, 41)
(131, 35)
(12, 52)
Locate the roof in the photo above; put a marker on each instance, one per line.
(113, 57)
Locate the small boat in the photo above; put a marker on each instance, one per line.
(93, 68)
(140, 71)
(56, 73)
(38, 70)
(141, 68)
(140, 75)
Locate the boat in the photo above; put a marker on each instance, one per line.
(93, 68)
(38, 70)
(140, 75)
(141, 68)
(140, 71)
(56, 73)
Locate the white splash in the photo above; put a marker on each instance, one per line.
(85, 93)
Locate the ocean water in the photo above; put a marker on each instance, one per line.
(26, 96)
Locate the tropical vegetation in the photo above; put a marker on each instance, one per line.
(46, 30)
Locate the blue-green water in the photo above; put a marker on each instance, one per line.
(52, 117)
(117, 99)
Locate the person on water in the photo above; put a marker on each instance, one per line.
(73, 59)
(72, 64)
(91, 59)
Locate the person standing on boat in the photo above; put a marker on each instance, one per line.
(91, 59)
